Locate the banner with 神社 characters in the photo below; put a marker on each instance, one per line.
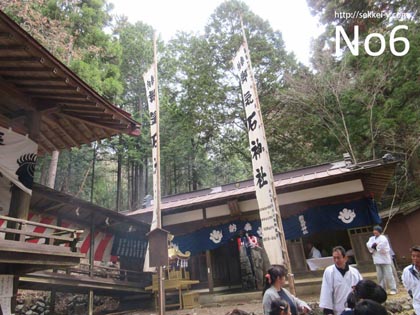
(263, 176)
(343, 216)
(18, 156)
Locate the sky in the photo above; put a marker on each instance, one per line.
(290, 17)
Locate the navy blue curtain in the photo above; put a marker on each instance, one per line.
(331, 217)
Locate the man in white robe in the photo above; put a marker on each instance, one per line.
(313, 251)
(338, 281)
(411, 278)
(378, 246)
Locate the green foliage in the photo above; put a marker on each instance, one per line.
(363, 105)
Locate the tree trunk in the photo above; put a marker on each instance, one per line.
(133, 187)
(129, 188)
(52, 172)
(175, 178)
(146, 177)
(92, 187)
(66, 180)
(119, 168)
(141, 184)
(44, 171)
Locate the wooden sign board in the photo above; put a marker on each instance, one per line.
(158, 247)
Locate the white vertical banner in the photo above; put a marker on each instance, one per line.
(272, 229)
(18, 156)
(150, 80)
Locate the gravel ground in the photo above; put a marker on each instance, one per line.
(248, 306)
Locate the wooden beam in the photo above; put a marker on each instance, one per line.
(33, 119)
(80, 109)
(106, 117)
(29, 78)
(6, 35)
(113, 127)
(13, 47)
(234, 207)
(57, 124)
(13, 95)
(66, 101)
(19, 59)
(50, 144)
(42, 149)
(55, 87)
(71, 126)
(209, 271)
(63, 143)
(58, 95)
(19, 204)
(22, 68)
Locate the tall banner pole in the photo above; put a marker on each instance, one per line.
(152, 90)
(272, 227)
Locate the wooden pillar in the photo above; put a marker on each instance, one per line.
(52, 301)
(19, 204)
(90, 304)
(92, 246)
(91, 262)
(209, 271)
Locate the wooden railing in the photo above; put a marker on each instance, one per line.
(104, 272)
(15, 230)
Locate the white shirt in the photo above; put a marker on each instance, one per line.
(314, 253)
(382, 253)
(335, 288)
(411, 281)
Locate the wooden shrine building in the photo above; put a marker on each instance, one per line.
(329, 204)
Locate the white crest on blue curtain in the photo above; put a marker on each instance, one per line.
(303, 226)
(216, 236)
(259, 232)
(248, 227)
(232, 228)
(347, 215)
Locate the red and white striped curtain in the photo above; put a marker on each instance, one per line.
(103, 241)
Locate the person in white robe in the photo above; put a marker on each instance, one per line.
(313, 251)
(411, 278)
(378, 246)
(337, 282)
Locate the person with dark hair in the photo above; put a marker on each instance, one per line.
(364, 289)
(275, 279)
(411, 278)
(337, 282)
(369, 307)
(378, 246)
(280, 307)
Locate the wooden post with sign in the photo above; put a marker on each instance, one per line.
(152, 90)
(271, 223)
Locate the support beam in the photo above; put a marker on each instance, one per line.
(15, 97)
(90, 304)
(114, 127)
(209, 271)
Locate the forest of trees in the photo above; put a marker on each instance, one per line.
(366, 106)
